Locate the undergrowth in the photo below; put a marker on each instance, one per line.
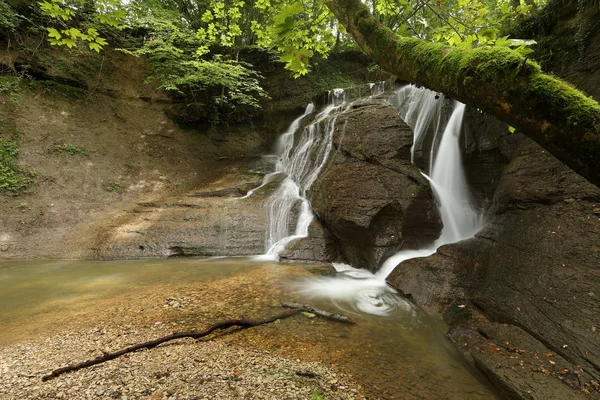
(13, 179)
(10, 85)
(63, 148)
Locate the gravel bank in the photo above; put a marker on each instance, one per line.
(185, 369)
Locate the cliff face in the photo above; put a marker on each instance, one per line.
(521, 296)
(527, 279)
(96, 155)
(116, 165)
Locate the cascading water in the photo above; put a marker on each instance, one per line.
(422, 111)
(302, 162)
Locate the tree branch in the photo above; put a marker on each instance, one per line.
(241, 323)
(497, 80)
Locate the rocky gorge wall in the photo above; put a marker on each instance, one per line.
(115, 174)
(520, 298)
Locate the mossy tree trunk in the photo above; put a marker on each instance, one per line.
(499, 81)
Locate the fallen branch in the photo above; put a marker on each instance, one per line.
(241, 323)
(316, 311)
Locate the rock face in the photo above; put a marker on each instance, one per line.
(318, 246)
(218, 221)
(527, 284)
(369, 196)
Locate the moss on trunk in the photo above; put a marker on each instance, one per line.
(497, 80)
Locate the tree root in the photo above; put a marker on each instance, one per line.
(242, 323)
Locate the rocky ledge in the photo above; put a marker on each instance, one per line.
(521, 297)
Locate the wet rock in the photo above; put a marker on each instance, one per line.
(484, 157)
(525, 279)
(318, 246)
(369, 195)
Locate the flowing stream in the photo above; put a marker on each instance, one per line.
(423, 111)
(41, 298)
(289, 211)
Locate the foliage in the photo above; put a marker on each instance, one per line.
(63, 148)
(236, 82)
(179, 61)
(298, 29)
(194, 45)
(466, 23)
(11, 85)
(13, 179)
(9, 18)
(108, 12)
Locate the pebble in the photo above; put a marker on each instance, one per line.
(202, 370)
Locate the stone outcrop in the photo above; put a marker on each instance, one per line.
(369, 196)
(319, 246)
(521, 297)
(218, 221)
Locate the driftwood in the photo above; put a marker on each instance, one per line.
(295, 308)
(325, 314)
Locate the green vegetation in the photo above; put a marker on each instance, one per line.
(10, 85)
(197, 47)
(197, 51)
(13, 179)
(9, 18)
(317, 396)
(63, 148)
(113, 187)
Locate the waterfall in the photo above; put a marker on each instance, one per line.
(301, 158)
(459, 215)
(422, 110)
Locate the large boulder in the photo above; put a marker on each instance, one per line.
(521, 297)
(369, 196)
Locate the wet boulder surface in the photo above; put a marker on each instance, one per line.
(369, 196)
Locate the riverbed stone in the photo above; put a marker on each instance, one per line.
(369, 196)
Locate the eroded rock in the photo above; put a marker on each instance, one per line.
(369, 195)
(527, 276)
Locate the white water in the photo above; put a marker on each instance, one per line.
(423, 112)
(290, 214)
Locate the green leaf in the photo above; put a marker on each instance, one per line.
(53, 33)
(95, 46)
(93, 33)
(502, 42)
(69, 42)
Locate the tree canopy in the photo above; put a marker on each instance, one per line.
(459, 47)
